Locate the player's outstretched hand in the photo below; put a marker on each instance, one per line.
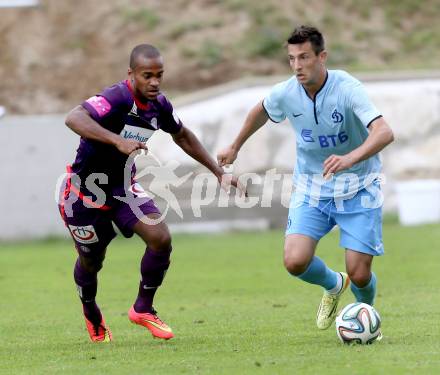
(336, 163)
(226, 156)
(227, 180)
(127, 146)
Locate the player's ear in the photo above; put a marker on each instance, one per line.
(129, 72)
(323, 56)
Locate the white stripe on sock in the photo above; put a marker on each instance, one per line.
(338, 285)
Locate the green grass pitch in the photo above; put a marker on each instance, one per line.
(232, 306)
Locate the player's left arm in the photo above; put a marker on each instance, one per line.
(380, 135)
(189, 143)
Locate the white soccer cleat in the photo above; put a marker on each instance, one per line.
(329, 303)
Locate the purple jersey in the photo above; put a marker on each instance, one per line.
(117, 110)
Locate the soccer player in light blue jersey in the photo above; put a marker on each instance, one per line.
(339, 133)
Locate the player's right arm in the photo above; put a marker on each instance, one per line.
(256, 118)
(80, 121)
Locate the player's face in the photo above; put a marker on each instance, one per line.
(307, 66)
(147, 77)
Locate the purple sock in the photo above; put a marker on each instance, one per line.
(154, 265)
(87, 285)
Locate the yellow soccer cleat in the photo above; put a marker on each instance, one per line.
(329, 303)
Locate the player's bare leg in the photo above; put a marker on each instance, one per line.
(298, 253)
(300, 261)
(154, 265)
(363, 281)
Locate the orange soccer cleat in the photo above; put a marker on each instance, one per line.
(152, 322)
(99, 333)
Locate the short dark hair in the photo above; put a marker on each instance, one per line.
(146, 51)
(310, 34)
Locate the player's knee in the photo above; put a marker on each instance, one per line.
(359, 276)
(161, 241)
(294, 262)
(92, 265)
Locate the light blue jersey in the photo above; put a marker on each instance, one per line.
(335, 122)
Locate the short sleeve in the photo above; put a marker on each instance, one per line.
(272, 104)
(169, 121)
(107, 103)
(362, 106)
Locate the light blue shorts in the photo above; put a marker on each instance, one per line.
(360, 226)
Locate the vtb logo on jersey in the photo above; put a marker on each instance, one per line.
(337, 117)
(328, 140)
(306, 135)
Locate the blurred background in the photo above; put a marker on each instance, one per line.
(221, 57)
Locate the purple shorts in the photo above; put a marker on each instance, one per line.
(91, 226)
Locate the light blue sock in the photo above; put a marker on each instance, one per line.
(319, 274)
(367, 293)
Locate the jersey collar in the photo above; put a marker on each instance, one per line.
(139, 104)
(319, 90)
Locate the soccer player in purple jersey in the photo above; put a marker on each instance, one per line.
(113, 125)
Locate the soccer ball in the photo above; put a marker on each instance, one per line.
(358, 323)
